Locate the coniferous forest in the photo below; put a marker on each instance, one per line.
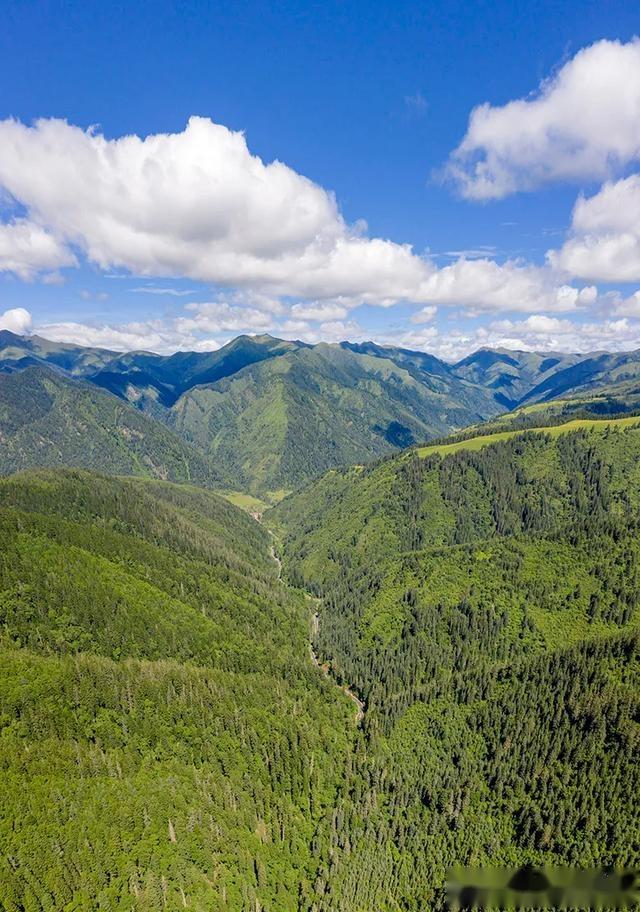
(485, 608)
(168, 743)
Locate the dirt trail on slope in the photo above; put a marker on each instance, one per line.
(325, 667)
(272, 551)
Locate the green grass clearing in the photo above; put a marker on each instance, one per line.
(246, 502)
(478, 443)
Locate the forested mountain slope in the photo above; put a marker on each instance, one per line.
(274, 414)
(165, 743)
(147, 379)
(47, 419)
(618, 402)
(518, 378)
(485, 608)
(279, 422)
(18, 352)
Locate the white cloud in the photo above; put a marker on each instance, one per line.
(542, 333)
(320, 311)
(339, 330)
(427, 339)
(482, 251)
(198, 204)
(483, 285)
(627, 307)
(191, 330)
(160, 290)
(605, 235)
(16, 320)
(583, 123)
(425, 315)
(588, 295)
(537, 332)
(186, 333)
(220, 316)
(53, 278)
(330, 331)
(256, 300)
(27, 249)
(161, 336)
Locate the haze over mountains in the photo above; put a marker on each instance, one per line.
(263, 414)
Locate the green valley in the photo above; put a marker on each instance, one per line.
(165, 741)
(485, 607)
(423, 655)
(319, 456)
(282, 421)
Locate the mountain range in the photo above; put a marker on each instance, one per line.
(262, 414)
(421, 656)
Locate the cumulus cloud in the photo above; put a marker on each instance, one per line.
(162, 336)
(627, 307)
(198, 204)
(221, 316)
(542, 333)
(27, 249)
(331, 331)
(195, 328)
(483, 285)
(538, 332)
(604, 242)
(425, 314)
(320, 311)
(16, 320)
(583, 123)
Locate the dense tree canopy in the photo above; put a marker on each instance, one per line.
(485, 607)
(165, 743)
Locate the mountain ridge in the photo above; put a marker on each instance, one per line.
(273, 414)
(48, 419)
(201, 367)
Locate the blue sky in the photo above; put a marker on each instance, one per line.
(191, 236)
